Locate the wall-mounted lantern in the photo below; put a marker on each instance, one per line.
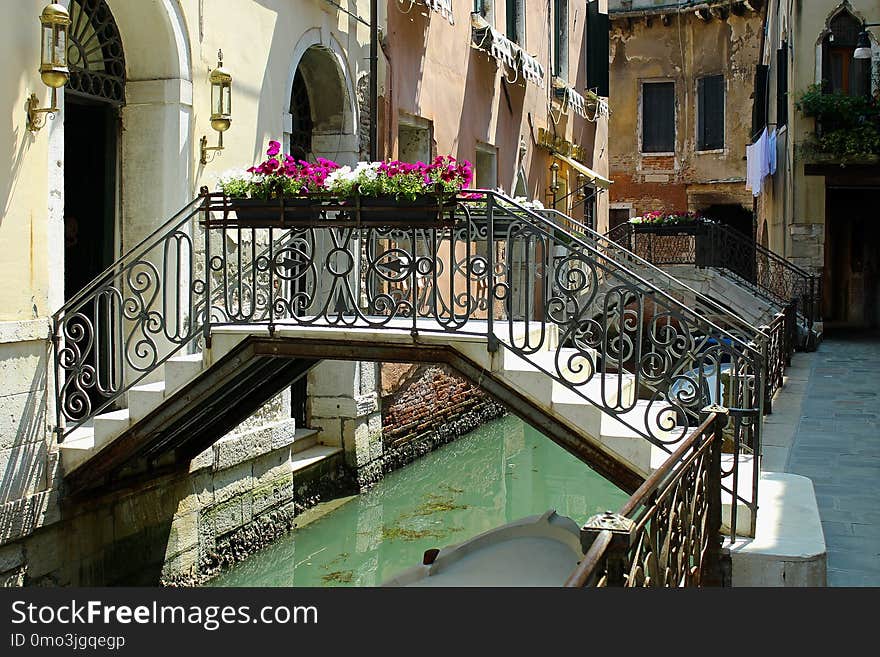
(54, 21)
(581, 186)
(862, 62)
(221, 106)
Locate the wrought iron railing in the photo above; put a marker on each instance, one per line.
(715, 245)
(486, 266)
(668, 534)
(686, 294)
(126, 322)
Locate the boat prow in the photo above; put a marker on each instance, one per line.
(535, 551)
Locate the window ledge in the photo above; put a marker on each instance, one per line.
(663, 154)
(711, 151)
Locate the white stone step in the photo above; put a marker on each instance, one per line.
(144, 398)
(109, 425)
(313, 455)
(180, 370)
(529, 373)
(303, 439)
(77, 447)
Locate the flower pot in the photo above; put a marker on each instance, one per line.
(425, 211)
(256, 211)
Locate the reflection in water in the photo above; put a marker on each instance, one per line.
(499, 473)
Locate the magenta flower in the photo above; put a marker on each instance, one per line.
(274, 148)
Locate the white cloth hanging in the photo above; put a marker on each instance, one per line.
(771, 153)
(759, 163)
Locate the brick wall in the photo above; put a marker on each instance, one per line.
(430, 406)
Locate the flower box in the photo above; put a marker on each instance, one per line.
(320, 194)
(326, 210)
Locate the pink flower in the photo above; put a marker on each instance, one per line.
(274, 148)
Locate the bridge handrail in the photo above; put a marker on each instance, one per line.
(663, 535)
(606, 242)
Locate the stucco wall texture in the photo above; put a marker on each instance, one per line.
(681, 48)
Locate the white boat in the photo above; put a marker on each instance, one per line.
(535, 551)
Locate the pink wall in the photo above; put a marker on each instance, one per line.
(434, 73)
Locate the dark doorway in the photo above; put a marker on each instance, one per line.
(90, 143)
(852, 260)
(732, 215)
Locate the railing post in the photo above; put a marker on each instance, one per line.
(491, 338)
(56, 350)
(616, 556)
(206, 322)
(710, 574)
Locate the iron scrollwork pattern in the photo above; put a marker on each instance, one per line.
(669, 533)
(492, 268)
(127, 322)
(715, 245)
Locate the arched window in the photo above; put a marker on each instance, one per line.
(94, 53)
(838, 48)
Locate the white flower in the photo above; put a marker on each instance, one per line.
(636, 220)
(339, 176)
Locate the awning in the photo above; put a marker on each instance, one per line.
(442, 7)
(595, 178)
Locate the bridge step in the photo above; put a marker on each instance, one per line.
(180, 370)
(313, 455)
(109, 425)
(143, 399)
(77, 447)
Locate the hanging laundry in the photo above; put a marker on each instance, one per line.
(759, 163)
(771, 153)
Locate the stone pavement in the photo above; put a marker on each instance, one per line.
(828, 429)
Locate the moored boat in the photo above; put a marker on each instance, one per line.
(534, 551)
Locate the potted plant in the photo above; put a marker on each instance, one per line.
(288, 192)
(847, 127)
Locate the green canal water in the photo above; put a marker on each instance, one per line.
(499, 473)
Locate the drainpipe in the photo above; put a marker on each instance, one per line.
(374, 83)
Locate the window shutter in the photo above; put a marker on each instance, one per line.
(710, 92)
(782, 85)
(598, 28)
(759, 109)
(658, 117)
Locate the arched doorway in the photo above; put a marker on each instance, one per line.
(92, 103)
(322, 116)
(321, 121)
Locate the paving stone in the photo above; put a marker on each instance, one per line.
(852, 578)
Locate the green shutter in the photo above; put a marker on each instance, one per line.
(598, 28)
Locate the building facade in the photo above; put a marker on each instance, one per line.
(681, 82)
(510, 86)
(817, 209)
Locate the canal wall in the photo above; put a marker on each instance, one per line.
(424, 407)
(180, 526)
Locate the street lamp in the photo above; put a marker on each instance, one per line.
(54, 21)
(862, 61)
(863, 48)
(554, 180)
(221, 106)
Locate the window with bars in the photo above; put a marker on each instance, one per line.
(658, 117)
(710, 113)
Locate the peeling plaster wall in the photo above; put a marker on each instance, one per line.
(435, 74)
(684, 50)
